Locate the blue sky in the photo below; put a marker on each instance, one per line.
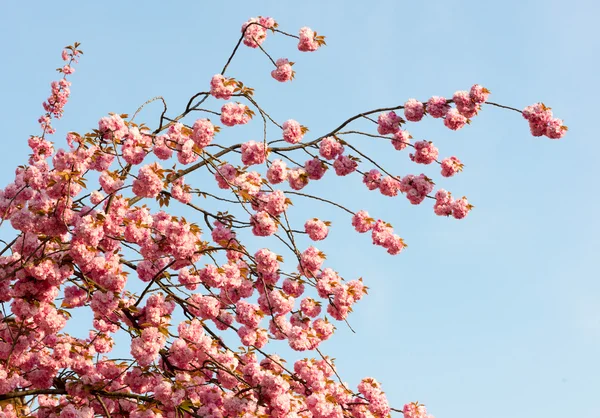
(491, 316)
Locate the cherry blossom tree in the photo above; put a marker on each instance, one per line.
(98, 226)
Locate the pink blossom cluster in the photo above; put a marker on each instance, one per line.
(255, 30)
(425, 152)
(401, 139)
(203, 133)
(316, 229)
(309, 41)
(293, 131)
(469, 103)
(416, 188)
(437, 107)
(414, 110)
(222, 87)
(254, 153)
(149, 181)
(277, 172)
(284, 71)
(542, 122)
(388, 123)
(330, 148)
(451, 166)
(446, 205)
(235, 114)
(315, 168)
(383, 235)
(415, 410)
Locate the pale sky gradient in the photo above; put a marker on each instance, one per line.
(493, 316)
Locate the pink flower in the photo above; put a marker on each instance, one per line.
(479, 94)
(254, 153)
(437, 107)
(315, 169)
(112, 127)
(203, 132)
(221, 87)
(451, 166)
(542, 122)
(389, 186)
(388, 123)
(461, 208)
(555, 129)
(277, 172)
(371, 179)
(297, 178)
(425, 153)
(149, 181)
(310, 307)
(443, 203)
(284, 71)
(316, 229)
(235, 114)
(225, 175)
(255, 30)
(330, 148)
(413, 110)
(293, 131)
(362, 222)
(344, 165)
(454, 120)
(401, 139)
(180, 192)
(308, 40)
(310, 261)
(416, 188)
(263, 225)
(464, 104)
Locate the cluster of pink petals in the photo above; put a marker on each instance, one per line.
(344, 165)
(235, 114)
(315, 168)
(149, 181)
(451, 166)
(307, 42)
(445, 205)
(221, 87)
(371, 179)
(330, 148)
(416, 188)
(284, 71)
(401, 139)
(263, 224)
(414, 110)
(255, 30)
(542, 122)
(388, 123)
(112, 127)
(415, 410)
(425, 152)
(437, 107)
(362, 222)
(455, 120)
(297, 178)
(203, 133)
(254, 153)
(383, 235)
(277, 172)
(316, 229)
(292, 131)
